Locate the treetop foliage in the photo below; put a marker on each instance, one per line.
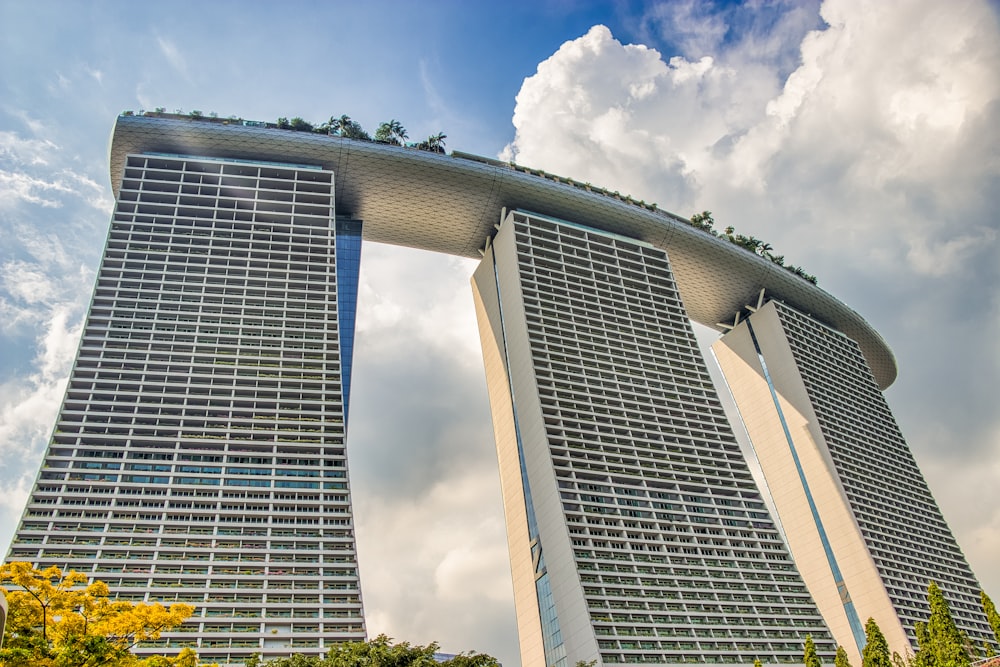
(810, 657)
(876, 652)
(992, 617)
(706, 222)
(939, 641)
(390, 132)
(59, 620)
(841, 659)
(947, 646)
(378, 652)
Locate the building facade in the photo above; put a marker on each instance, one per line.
(636, 532)
(199, 455)
(856, 511)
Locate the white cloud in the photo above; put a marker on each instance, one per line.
(29, 404)
(94, 73)
(854, 114)
(19, 188)
(872, 162)
(693, 25)
(62, 81)
(58, 347)
(27, 415)
(173, 55)
(423, 468)
(433, 98)
(436, 555)
(948, 255)
(430, 305)
(14, 496)
(27, 410)
(27, 282)
(20, 151)
(29, 177)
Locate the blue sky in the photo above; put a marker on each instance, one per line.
(859, 138)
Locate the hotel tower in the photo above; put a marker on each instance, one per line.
(200, 454)
(858, 516)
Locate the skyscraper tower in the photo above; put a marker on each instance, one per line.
(635, 529)
(199, 452)
(859, 518)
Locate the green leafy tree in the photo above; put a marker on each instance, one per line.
(433, 143)
(391, 132)
(484, 660)
(703, 220)
(925, 654)
(946, 642)
(300, 125)
(876, 653)
(343, 125)
(992, 616)
(346, 128)
(378, 652)
(58, 620)
(296, 660)
(810, 658)
(355, 131)
(841, 659)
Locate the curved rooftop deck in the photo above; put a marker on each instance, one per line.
(449, 204)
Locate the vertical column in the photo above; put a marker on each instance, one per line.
(826, 439)
(636, 531)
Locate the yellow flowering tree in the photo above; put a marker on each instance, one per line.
(59, 620)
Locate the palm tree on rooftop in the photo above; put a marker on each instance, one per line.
(397, 131)
(341, 125)
(433, 143)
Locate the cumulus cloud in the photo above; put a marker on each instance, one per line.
(46, 298)
(29, 410)
(437, 554)
(424, 481)
(29, 404)
(871, 161)
(695, 27)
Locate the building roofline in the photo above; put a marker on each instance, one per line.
(450, 204)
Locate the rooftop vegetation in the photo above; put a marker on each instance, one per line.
(390, 132)
(393, 133)
(705, 222)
